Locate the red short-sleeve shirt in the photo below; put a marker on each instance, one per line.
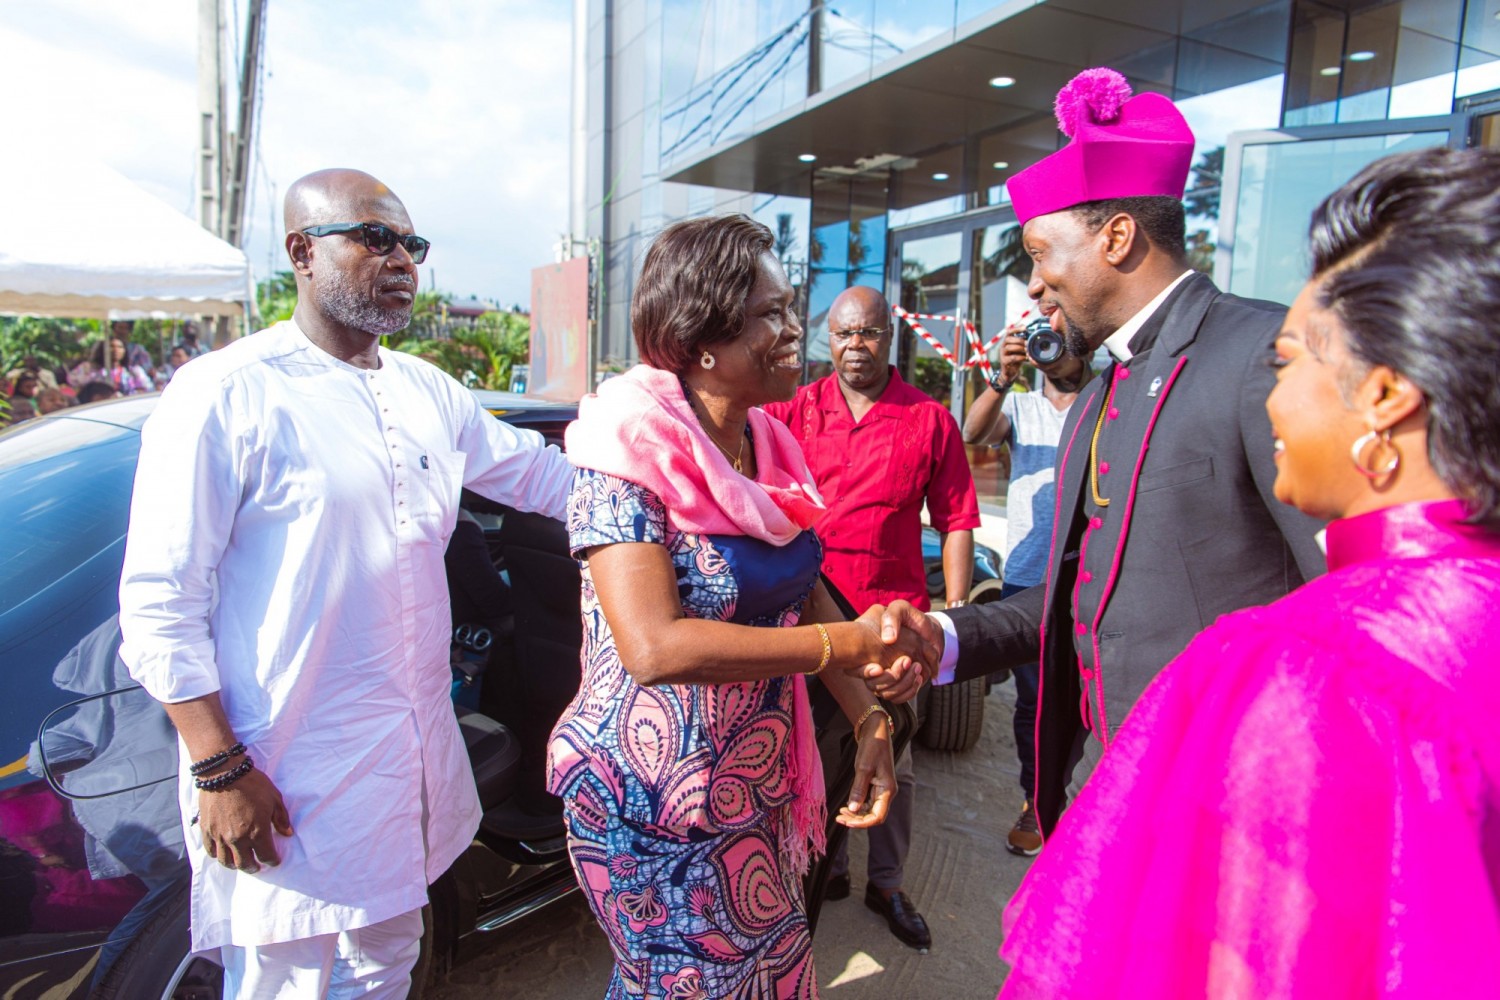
(874, 476)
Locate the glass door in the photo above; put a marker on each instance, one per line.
(930, 272)
(972, 266)
(999, 271)
(1273, 181)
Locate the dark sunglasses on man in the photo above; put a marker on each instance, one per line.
(377, 239)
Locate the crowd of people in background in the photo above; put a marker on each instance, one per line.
(115, 365)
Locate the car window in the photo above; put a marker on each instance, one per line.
(64, 498)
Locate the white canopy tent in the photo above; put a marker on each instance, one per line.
(79, 240)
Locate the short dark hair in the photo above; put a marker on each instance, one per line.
(96, 390)
(693, 288)
(1406, 257)
(1162, 219)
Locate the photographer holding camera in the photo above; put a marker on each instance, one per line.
(1031, 423)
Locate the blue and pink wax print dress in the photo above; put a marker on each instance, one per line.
(677, 795)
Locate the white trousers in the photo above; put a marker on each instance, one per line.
(373, 963)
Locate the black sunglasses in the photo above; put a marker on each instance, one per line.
(377, 239)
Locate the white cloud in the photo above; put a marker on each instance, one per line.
(462, 107)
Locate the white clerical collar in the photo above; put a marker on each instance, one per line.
(1118, 343)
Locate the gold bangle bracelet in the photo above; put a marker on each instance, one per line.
(860, 725)
(827, 650)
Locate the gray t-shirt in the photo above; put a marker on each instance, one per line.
(1030, 499)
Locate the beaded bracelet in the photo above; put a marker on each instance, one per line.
(223, 781)
(209, 763)
(827, 651)
(860, 725)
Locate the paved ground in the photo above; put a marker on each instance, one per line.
(959, 874)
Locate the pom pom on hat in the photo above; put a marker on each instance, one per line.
(1122, 146)
(1094, 96)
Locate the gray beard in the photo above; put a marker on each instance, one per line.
(352, 307)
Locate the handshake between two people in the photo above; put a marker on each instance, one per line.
(906, 650)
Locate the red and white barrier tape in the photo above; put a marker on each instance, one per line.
(978, 355)
(921, 331)
(981, 354)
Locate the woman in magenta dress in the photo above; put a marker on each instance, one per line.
(687, 762)
(1306, 803)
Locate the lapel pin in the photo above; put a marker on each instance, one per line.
(1155, 387)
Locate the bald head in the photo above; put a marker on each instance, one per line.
(858, 307)
(859, 338)
(339, 195)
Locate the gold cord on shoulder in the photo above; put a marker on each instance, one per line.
(1109, 399)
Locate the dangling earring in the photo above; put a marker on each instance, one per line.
(707, 361)
(1357, 453)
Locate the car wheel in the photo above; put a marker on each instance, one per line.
(955, 716)
(158, 963)
(986, 591)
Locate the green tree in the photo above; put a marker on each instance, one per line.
(1202, 202)
(56, 343)
(480, 355)
(275, 298)
(1202, 198)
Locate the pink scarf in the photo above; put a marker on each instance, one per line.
(639, 427)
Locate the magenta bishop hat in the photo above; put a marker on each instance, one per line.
(1123, 147)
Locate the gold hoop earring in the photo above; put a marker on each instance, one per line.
(707, 361)
(1357, 452)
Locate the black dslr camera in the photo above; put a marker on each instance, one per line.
(1044, 345)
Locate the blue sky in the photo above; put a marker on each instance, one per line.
(461, 106)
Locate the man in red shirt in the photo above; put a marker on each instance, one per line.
(878, 449)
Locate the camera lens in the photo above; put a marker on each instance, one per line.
(1043, 344)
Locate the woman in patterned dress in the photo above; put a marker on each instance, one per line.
(687, 762)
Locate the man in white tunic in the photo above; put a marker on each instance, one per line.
(284, 596)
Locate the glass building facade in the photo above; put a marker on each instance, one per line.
(874, 137)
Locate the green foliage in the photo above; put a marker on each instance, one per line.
(276, 298)
(53, 342)
(934, 376)
(480, 355)
(1202, 198)
(1202, 202)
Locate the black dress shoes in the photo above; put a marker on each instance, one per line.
(838, 887)
(904, 920)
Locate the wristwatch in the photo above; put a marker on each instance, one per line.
(998, 382)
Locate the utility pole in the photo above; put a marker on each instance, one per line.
(224, 156)
(242, 137)
(210, 114)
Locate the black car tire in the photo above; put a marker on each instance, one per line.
(955, 716)
(157, 964)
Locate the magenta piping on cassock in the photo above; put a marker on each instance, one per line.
(1114, 569)
(1057, 495)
